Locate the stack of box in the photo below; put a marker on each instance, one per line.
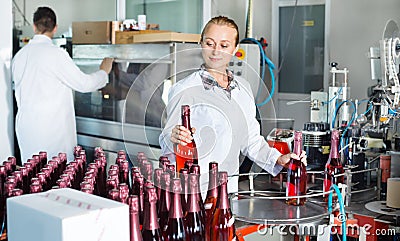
(107, 32)
(66, 215)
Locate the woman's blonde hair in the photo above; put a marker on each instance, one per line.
(223, 21)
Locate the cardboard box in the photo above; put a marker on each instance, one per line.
(154, 36)
(127, 37)
(91, 32)
(167, 37)
(114, 28)
(66, 215)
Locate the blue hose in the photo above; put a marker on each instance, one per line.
(271, 67)
(341, 205)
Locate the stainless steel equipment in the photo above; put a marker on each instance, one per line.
(316, 142)
(115, 117)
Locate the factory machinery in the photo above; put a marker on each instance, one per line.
(370, 153)
(369, 139)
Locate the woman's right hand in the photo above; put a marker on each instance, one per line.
(182, 135)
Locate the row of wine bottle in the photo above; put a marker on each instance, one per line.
(296, 185)
(165, 207)
(162, 206)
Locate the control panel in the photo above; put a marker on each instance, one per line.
(246, 64)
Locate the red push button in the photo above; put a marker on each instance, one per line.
(240, 54)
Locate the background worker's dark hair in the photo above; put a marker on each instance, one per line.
(44, 19)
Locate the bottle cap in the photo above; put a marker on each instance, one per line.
(185, 110)
(133, 202)
(176, 185)
(223, 177)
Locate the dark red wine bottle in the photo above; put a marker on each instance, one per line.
(194, 220)
(139, 191)
(189, 164)
(188, 152)
(162, 162)
(171, 170)
(123, 192)
(43, 158)
(151, 229)
(296, 184)
(157, 182)
(165, 200)
(184, 175)
(195, 168)
(148, 171)
(176, 229)
(212, 196)
(333, 166)
(124, 172)
(135, 234)
(223, 222)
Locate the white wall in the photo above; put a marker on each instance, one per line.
(6, 107)
(262, 18)
(68, 11)
(236, 9)
(357, 25)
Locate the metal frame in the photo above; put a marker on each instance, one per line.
(276, 4)
(114, 135)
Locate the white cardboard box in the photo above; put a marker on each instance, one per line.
(66, 215)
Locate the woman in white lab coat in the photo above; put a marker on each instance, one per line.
(45, 77)
(222, 111)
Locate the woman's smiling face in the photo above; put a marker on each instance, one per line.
(219, 44)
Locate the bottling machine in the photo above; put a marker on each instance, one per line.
(369, 149)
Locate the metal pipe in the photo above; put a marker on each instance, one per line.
(251, 184)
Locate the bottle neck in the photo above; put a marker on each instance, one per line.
(186, 121)
(194, 206)
(166, 199)
(223, 201)
(334, 149)
(212, 184)
(176, 211)
(151, 221)
(297, 147)
(135, 225)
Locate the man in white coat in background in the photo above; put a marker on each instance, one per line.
(45, 77)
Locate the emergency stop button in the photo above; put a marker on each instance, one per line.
(240, 54)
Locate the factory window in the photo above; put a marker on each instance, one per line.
(301, 48)
(174, 15)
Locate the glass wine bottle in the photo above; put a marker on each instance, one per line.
(212, 193)
(188, 152)
(176, 229)
(223, 222)
(333, 166)
(296, 184)
(162, 162)
(194, 221)
(165, 200)
(212, 196)
(157, 182)
(184, 175)
(138, 190)
(135, 234)
(151, 228)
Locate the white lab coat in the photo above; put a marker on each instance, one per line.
(45, 77)
(224, 127)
